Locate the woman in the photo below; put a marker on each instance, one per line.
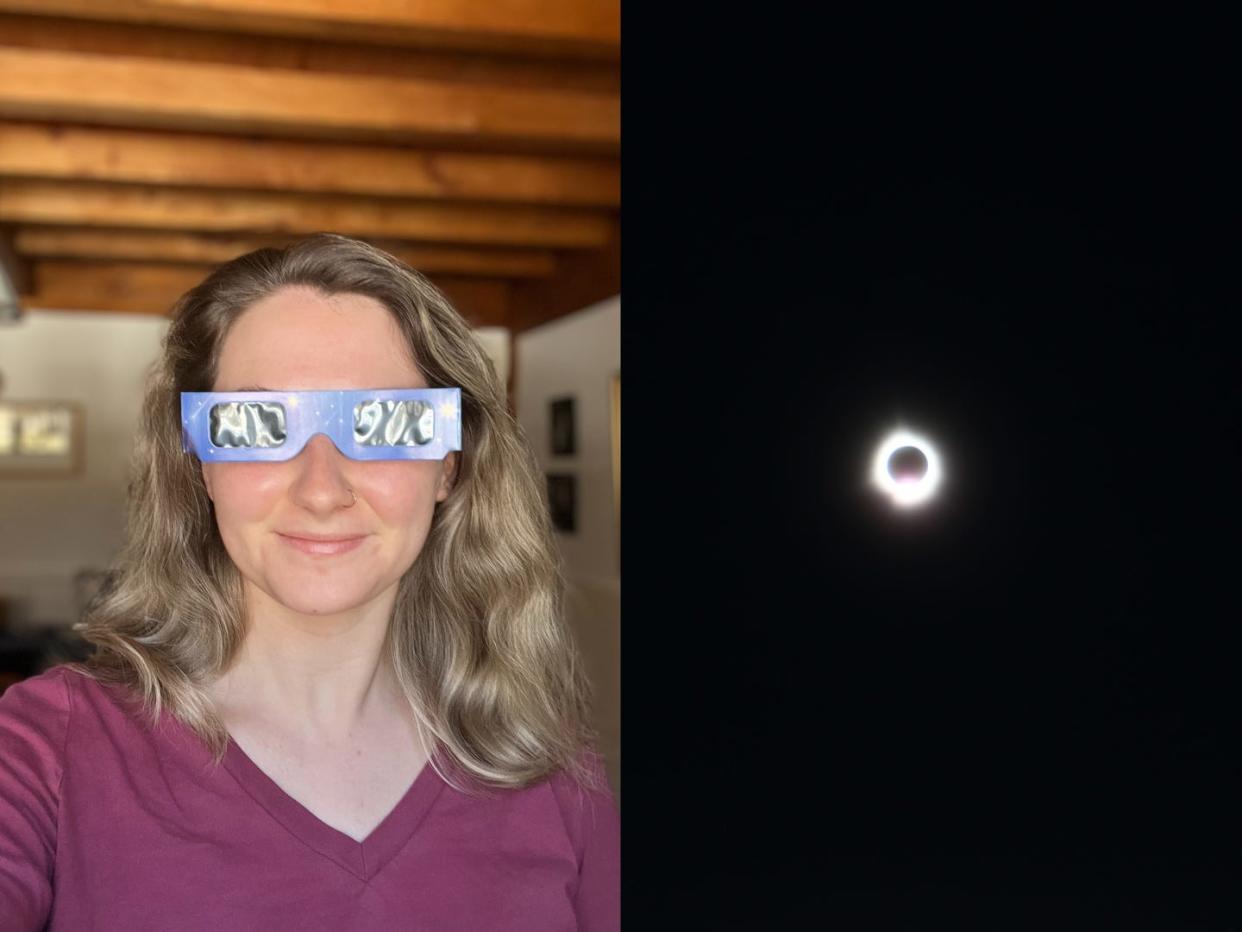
(331, 689)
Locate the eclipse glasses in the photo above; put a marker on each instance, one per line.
(371, 424)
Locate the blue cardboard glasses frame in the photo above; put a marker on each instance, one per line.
(366, 424)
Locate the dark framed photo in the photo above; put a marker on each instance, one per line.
(562, 500)
(561, 412)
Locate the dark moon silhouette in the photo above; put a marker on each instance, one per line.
(907, 464)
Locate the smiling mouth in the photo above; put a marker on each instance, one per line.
(321, 546)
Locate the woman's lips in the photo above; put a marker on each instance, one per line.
(323, 546)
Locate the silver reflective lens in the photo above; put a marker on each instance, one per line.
(248, 424)
(393, 423)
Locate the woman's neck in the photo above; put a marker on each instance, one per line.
(310, 676)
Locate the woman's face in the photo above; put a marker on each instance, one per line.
(294, 529)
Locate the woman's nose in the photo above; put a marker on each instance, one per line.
(320, 485)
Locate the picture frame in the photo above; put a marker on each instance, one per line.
(562, 501)
(561, 430)
(41, 439)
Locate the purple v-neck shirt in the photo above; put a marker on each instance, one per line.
(107, 824)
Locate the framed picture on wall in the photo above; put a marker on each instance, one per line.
(562, 500)
(41, 439)
(561, 429)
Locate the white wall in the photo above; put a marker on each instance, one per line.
(576, 356)
(495, 342)
(51, 528)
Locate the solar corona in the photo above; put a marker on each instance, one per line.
(906, 468)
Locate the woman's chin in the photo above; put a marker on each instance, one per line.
(321, 597)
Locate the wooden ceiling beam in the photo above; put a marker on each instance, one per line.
(94, 286)
(211, 97)
(66, 203)
(302, 54)
(36, 150)
(203, 249)
(138, 288)
(582, 279)
(481, 303)
(561, 27)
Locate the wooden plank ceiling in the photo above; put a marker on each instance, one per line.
(144, 141)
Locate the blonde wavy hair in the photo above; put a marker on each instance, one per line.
(477, 638)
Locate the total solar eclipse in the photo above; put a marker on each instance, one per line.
(906, 468)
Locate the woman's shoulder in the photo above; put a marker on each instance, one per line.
(585, 799)
(589, 775)
(593, 825)
(34, 728)
(577, 799)
(35, 713)
(39, 710)
(39, 701)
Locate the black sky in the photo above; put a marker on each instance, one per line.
(1018, 706)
